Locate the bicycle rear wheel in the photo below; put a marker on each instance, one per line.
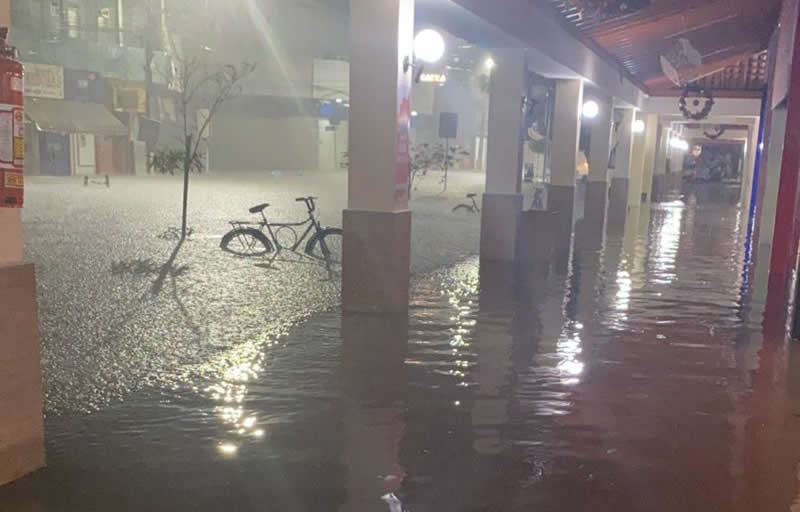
(246, 242)
(326, 246)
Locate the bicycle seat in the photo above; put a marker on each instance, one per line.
(470, 196)
(259, 208)
(309, 198)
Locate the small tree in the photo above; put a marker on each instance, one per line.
(447, 156)
(200, 83)
(202, 86)
(426, 157)
(422, 160)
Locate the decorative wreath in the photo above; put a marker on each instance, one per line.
(716, 133)
(692, 96)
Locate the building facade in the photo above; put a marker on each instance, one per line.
(84, 84)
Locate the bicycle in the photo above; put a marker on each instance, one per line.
(248, 241)
(472, 208)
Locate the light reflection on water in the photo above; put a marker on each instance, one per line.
(632, 384)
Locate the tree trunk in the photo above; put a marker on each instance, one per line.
(187, 163)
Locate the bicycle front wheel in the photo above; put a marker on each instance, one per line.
(246, 242)
(326, 246)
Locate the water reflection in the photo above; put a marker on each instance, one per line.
(666, 241)
(635, 382)
(374, 400)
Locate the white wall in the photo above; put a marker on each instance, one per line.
(288, 144)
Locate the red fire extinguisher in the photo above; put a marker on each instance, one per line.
(12, 126)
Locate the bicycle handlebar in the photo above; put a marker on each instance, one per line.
(309, 202)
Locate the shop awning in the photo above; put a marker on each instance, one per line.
(64, 116)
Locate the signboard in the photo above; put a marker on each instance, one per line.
(44, 81)
(129, 96)
(433, 78)
(448, 125)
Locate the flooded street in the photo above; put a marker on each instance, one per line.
(122, 308)
(639, 381)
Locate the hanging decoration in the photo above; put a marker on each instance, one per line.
(606, 9)
(716, 132)
(696, 102)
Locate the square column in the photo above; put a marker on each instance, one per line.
(377, 223)
(651, 134)
(561, 193)
(11, 230)
(21, 418)
(590, 236)
(637, 165)
(502, 202)
(620, 178)
(21, 423)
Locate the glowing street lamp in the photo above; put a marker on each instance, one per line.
(638, 126)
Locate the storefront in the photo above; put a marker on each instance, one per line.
(74, 138)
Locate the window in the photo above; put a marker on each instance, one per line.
(73, 22)
(53, 20)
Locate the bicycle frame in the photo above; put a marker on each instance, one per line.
(311, 221)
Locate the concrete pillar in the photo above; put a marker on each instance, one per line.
(377, 223)
(662, 150)
(620, 177)
(663, 153)
(566, 136)
(21, 420)
(11, 230)
(651, 135)
(637, 165)
(593, 222)
(21, 424)
(502, 202)
(601, 127)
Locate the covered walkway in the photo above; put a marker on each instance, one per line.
(618, 341)
(642, 382)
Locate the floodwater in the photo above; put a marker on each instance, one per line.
(639, 381)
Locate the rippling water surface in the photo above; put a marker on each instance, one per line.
(640, 381)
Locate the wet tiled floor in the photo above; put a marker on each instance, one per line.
(639, 381)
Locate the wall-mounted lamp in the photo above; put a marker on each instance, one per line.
(590, 109)
(429, 47)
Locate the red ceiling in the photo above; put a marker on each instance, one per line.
(727, 33)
